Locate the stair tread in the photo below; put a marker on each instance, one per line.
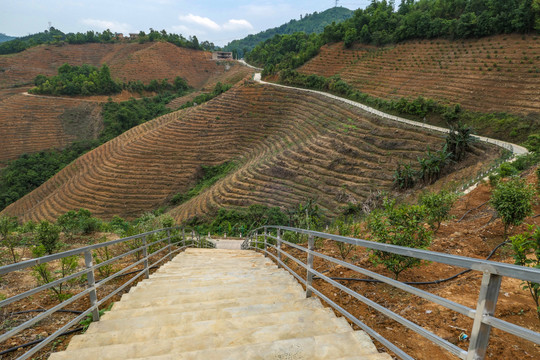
(220, 304)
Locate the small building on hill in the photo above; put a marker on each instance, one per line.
(222, 55)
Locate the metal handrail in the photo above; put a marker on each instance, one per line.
(483, 314)
(193, 239)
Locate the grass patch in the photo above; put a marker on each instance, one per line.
(209, 175)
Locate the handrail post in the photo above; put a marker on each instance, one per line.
(91, 283)
(279, 247)
(265, 242)
(487, 301)
(257, 240)
(170, 246)
(183, 237)
(309, 275)
(145, 255)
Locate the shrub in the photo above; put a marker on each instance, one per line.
(48, 236)
(507, 169)
(513, 202)
(459, 139)
(404, 176)
(526, 248)
(399, 225)
(8, 239)
(438, 206)
(44, 275)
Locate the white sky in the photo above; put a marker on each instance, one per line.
(216, 21)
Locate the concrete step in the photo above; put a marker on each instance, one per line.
(180, 303)
(322, 347)
(225, 291)
(215, 313)
(165, 320)
(224, 328)
(154, 345)
(220, 304)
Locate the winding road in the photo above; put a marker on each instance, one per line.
(514, 148)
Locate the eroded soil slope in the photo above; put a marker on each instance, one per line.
(289, 146)
(493, 74)
(29, 124)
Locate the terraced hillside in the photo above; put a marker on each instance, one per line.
(289, 146)
(30, 124)
(33, 123)
(127, 61)
(493, 74)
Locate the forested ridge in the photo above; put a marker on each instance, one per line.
(55, 36)
(308, 23)
(382, 22)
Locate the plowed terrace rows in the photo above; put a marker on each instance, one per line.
(290, 146)
(31, 124)
(127, 61)
(494, 74)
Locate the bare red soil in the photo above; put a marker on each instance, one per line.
(289, 146)
(493, 74)
(30, 124)
(474, 236)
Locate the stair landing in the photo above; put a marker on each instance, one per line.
(220, 304)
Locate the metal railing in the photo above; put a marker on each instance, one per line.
(161, 244)
(482, 316)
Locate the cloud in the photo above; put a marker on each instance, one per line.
(201, 21)
(234, 24)
(105, 24)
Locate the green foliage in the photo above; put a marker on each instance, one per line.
(9, 239)
(29, 171)
(48, 236)
(345, 229)
(526, 248)
(85, 323)
(208, 176)
(77, 80)
(101, 255)
(380, 23)
(78, 222)
(438, 206)
(236, 221)
(309, 23)
(513, 202)
(54, 36)
(202, 98)
(44, 274)
(459, 140)
(404, 176)
(398, 225)
(507, 169)
(432, 165)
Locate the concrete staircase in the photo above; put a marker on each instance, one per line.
(220, 304)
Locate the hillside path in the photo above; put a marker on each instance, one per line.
(514, 148)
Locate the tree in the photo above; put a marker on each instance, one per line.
(438, 206)
(459, 140)
(398, 225)
(513, 202)
(526, 248)
(8, 225)
(48, 235)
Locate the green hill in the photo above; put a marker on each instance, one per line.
(310, 23)
(4, 37)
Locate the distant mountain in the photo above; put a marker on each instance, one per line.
(310, 23)
(4, 37)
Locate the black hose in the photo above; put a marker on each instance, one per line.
(15, 348)
(43, 310)
(434, 282)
